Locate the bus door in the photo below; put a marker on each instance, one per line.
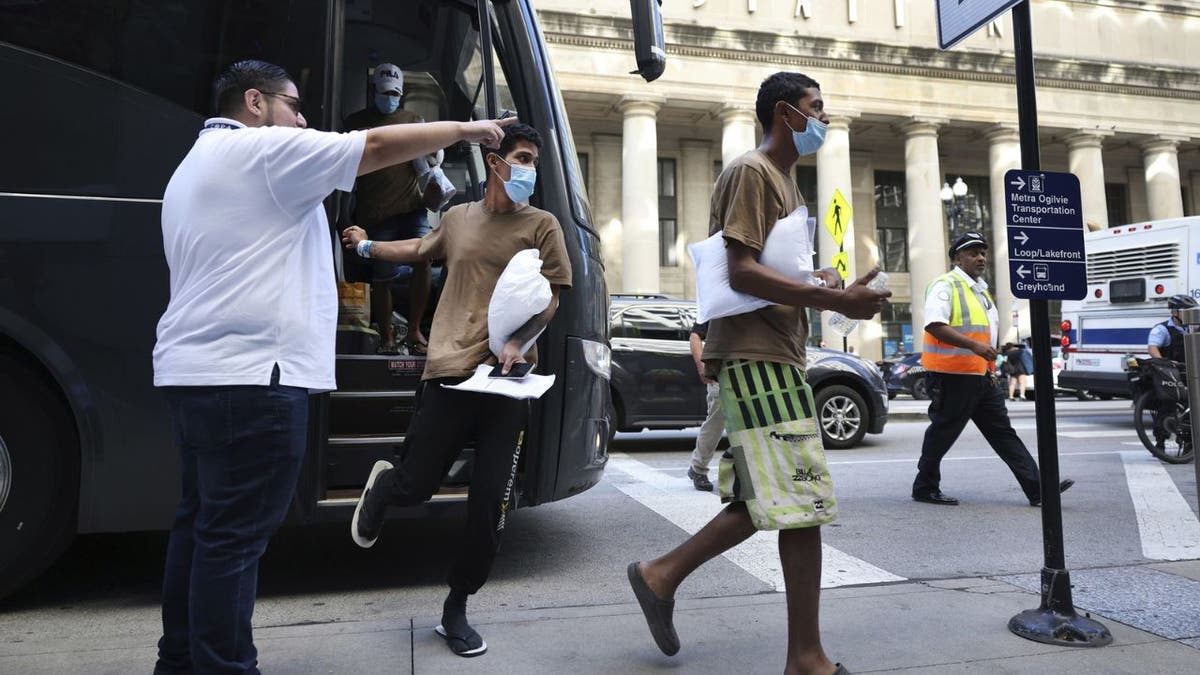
(437, 46)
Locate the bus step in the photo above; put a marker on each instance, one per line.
(348, 497)
(370, 413)
(349, 458)
(360, 372)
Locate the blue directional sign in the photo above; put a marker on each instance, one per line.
(1044, 213)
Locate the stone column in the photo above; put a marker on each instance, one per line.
(1164, 196)
(1087, 162)
(833, 173)
(423, 97)
(639, 196)
(866, 247)
(926, 231)
(696, 195)
(1004, 154)
(737, 131)
(606, 204)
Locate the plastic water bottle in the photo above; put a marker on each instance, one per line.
(844, 325)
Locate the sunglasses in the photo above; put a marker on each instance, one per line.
(294, 102)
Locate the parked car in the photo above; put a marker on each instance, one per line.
(906, 375)
(655, 384)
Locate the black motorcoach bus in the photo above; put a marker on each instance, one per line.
(102, 99)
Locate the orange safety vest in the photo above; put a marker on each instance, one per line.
(969, 318)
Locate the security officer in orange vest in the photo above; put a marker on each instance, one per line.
(961, 330)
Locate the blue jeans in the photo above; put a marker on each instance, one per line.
(241, 449)
(399, 227)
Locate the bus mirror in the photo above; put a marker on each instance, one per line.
(648, 38)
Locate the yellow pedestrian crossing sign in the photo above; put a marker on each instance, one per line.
(841, 263)
(837, 219)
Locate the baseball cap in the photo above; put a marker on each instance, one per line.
(388, 77)
(967, 240)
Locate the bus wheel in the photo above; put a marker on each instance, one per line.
(39, 475)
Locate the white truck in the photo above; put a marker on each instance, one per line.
(1131, 271)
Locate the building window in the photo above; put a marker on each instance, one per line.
(668, 223)
(585, 171)
(1116, 197)
(891, 221)
(814, 328)
(806, 183)
(897, 328)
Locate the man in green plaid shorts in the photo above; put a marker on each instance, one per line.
(774, 475)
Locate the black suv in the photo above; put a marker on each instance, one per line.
(655, 385)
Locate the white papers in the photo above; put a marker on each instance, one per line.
(530, 386)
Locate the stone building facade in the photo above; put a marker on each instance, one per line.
(919, 141)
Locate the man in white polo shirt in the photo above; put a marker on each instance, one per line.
(248, 335)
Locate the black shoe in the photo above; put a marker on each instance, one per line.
(1063, 485)
(935, 497)
(658, 612)
(700, 480)
(368, 515)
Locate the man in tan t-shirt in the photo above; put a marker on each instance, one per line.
(477, 241)
(389, 204)
(773, 475)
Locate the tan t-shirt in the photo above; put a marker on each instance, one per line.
(750, 196)
(392, 190)
(477, 245)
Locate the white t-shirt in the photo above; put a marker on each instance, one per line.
(937, 303)
(249, 248)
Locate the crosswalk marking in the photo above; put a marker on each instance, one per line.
(1169, 529)
(674, 498)
(1103, 433)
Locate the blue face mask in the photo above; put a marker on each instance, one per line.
(520, 186)
(387, 104)
(811, 139)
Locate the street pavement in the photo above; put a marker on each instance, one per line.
(909, 587)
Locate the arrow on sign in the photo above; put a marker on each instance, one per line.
(1024, 238)
(1019, 182)
(1021, 272)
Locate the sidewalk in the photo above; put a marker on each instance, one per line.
(939, 627)
(908, 410)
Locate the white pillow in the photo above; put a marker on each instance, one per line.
(521, 293)
(788, 250)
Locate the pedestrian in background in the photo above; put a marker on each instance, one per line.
(961, 327)
(1015, 368)
(713, 426)
(247, 336)
(390, 206)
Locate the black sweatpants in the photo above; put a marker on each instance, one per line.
(955, 399)
(445, 421)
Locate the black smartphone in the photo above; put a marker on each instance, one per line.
(517, 371)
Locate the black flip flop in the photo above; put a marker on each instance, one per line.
(841, 670)
(658, 612)
(461, 644)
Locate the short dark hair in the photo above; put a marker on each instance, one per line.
(518, 132)
(237, 78)
(782, 86)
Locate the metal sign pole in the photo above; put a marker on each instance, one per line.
(1055, 621)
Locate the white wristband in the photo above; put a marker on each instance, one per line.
(364, 248)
